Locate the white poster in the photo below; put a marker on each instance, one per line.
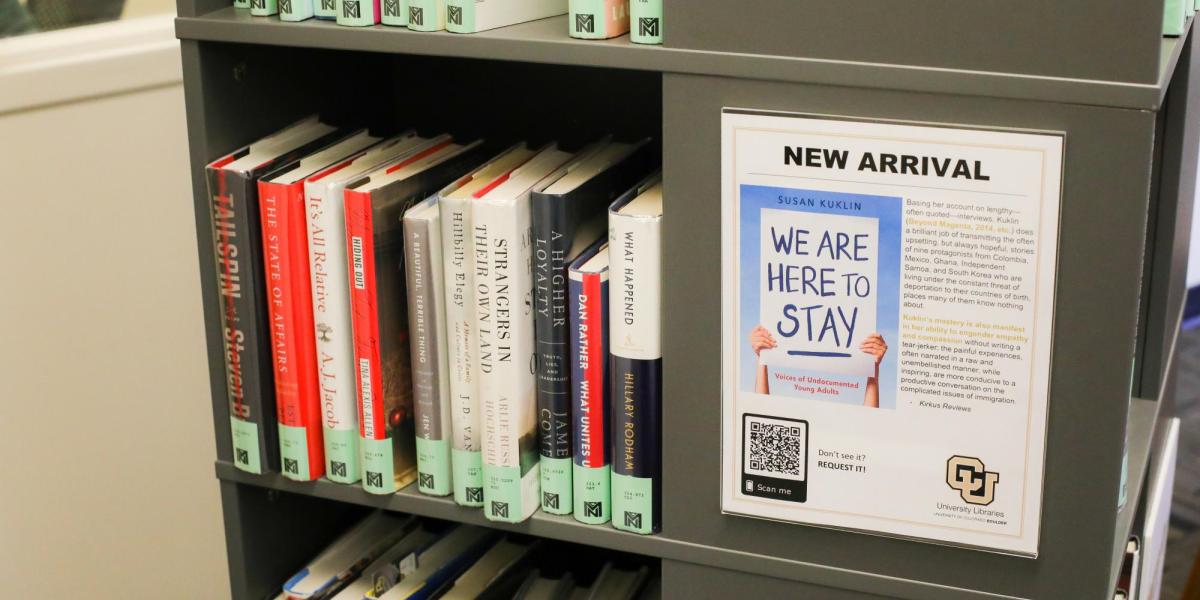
(888, 295)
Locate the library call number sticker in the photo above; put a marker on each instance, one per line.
(888, 294)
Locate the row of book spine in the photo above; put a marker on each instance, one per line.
(589, 19)
(413, 311)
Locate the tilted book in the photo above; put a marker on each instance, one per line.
(646, 21)
(325, 9)
(427, 338)
(590, 398)
(358, 13)
(263, 8)
(504, 286)
(237, 250)
(343, 560)
(473, 16)
(391, 566)
(440, 564)
(568, 217)
(395, 13)
(375, 245)
(635, 344)
(458, 250)
(426, 15)
(598, 19)
(296, 10)
(330, 283)
(289, 293)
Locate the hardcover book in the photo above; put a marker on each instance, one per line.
(427, 15)
(325, 9)
(344, 559)
(293, 344)
(473, 16)
(503, 280)
(497, 573)
(438, 566)
(427, 322)
(590, 398)
(635, 344)
(295, 10)
(395, 13)
(458, 250)
(375, 245)
(598, 19)
(330, 283)
(263, 8)
(238, 259)
(568, 217)
(646, 21)
(358, 13)
(393, 564)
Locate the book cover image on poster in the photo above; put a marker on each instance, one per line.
(819, 295)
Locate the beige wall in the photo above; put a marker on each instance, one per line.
(105, 414)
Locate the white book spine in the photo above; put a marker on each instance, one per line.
(326, 223)
(483, 15)
(504, 285)
(458, 250)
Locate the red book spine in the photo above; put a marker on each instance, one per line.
(305, 330)
(591, 323)
(360, 254)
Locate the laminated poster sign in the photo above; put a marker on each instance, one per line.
(888, 305)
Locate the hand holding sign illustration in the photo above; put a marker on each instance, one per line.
(873, 345)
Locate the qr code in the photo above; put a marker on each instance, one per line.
(775, 447)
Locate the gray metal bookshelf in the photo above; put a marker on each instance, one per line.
(1126, 98)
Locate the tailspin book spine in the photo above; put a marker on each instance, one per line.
(395, 13)
(325, 9)
(358, 13)
(506, 379)
(598, 19)
(245, 336)
(296, 10)
(263, 8)
(590, 396)
(646, 21)
(426, 318)
(426, 15)
(635, 343)
(285, 247)
(466, 426)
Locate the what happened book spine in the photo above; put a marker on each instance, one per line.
(466, 426)
(590, 395)
(646, 21)
(244, 333)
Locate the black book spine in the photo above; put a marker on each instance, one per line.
(237, 239)
(553, 234)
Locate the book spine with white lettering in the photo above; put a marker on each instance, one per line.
(293, 348)
(506, 381)
(426, 15)
(646, 21)
(358, 13)
(635, 345)
(427, 326)
(244, 331)
(598, 19)
(263, 8)
(395, 13)
(325, 9)
(463, 350)
(295, 10)
(588, 304)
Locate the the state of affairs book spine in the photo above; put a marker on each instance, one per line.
(426, 318)
(506, 381)
(293, 347)
(466, 427)
(296, 10)
(325, 9)
(598, 19)
(233, 201)
(646, 21)
(395, 13)
(635, 345)
(590, 393)
(263, 8)
(426, 15)
(358, 13)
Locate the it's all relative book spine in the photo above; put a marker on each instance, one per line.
(588, 302)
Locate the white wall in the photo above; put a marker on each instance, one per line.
(105, 415)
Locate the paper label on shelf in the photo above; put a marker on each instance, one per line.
(887, 325)
(245, 445)
(556, 485)
(468, 477)
(341, 455)
(379, 473)
(592, 494)
(293, 450)
(433, 466)
(633, 503)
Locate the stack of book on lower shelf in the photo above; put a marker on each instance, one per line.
(589, 19)
(396, 557)
(435, 311)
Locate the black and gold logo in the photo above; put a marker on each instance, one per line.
(971, 478)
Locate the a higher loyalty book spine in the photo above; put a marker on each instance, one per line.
(358, 13)
(635, 341)
(590, 395)
(245, 337)
(395, 13)
(285, 246)
(506, 382)
(426, 318)
(462, 353)
(646, 21)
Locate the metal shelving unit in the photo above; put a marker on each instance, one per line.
(1131, 119)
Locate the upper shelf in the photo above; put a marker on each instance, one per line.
(546, 41)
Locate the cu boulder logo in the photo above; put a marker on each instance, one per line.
(975, 484)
